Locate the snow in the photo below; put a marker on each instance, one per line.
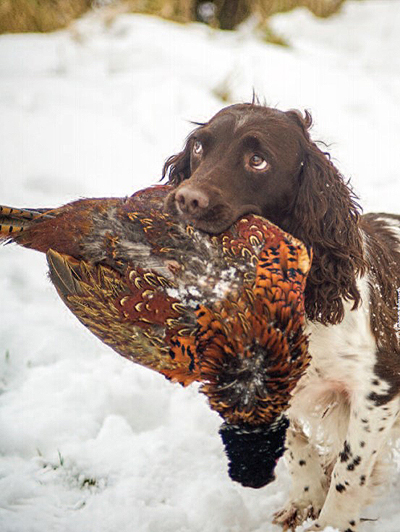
(90, 441)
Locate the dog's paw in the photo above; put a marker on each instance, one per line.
(293, 515)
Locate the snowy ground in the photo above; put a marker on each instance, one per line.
(89, 441)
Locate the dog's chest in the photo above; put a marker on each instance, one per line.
(343, 361)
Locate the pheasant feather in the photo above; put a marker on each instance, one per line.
(224, 310)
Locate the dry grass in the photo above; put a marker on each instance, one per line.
(48, 15)
(39, 15)
(320, 8)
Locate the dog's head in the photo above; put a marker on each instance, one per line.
(246, 159)
(254, 159)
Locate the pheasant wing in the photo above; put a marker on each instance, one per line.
(120, 311)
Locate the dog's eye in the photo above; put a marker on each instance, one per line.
(197, 147)
(257, 162)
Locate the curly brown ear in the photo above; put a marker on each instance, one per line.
(177, 167)
(326, 216)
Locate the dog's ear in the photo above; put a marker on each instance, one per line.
(325, 215)
(177, 167)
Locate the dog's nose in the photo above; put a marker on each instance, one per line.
(191, 201)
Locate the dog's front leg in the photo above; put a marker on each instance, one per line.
(309, 482)
(369, 427)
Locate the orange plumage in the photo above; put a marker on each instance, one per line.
(225, 310)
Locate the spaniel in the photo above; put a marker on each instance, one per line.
(344, 411)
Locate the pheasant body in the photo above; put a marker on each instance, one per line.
(224, 310)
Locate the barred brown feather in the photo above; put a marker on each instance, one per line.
(225, 310)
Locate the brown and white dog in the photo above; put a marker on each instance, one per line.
(345, 410)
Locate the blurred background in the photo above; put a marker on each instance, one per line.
(33, 15)
(94, 96)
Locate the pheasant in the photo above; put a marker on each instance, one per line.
(224, 310)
